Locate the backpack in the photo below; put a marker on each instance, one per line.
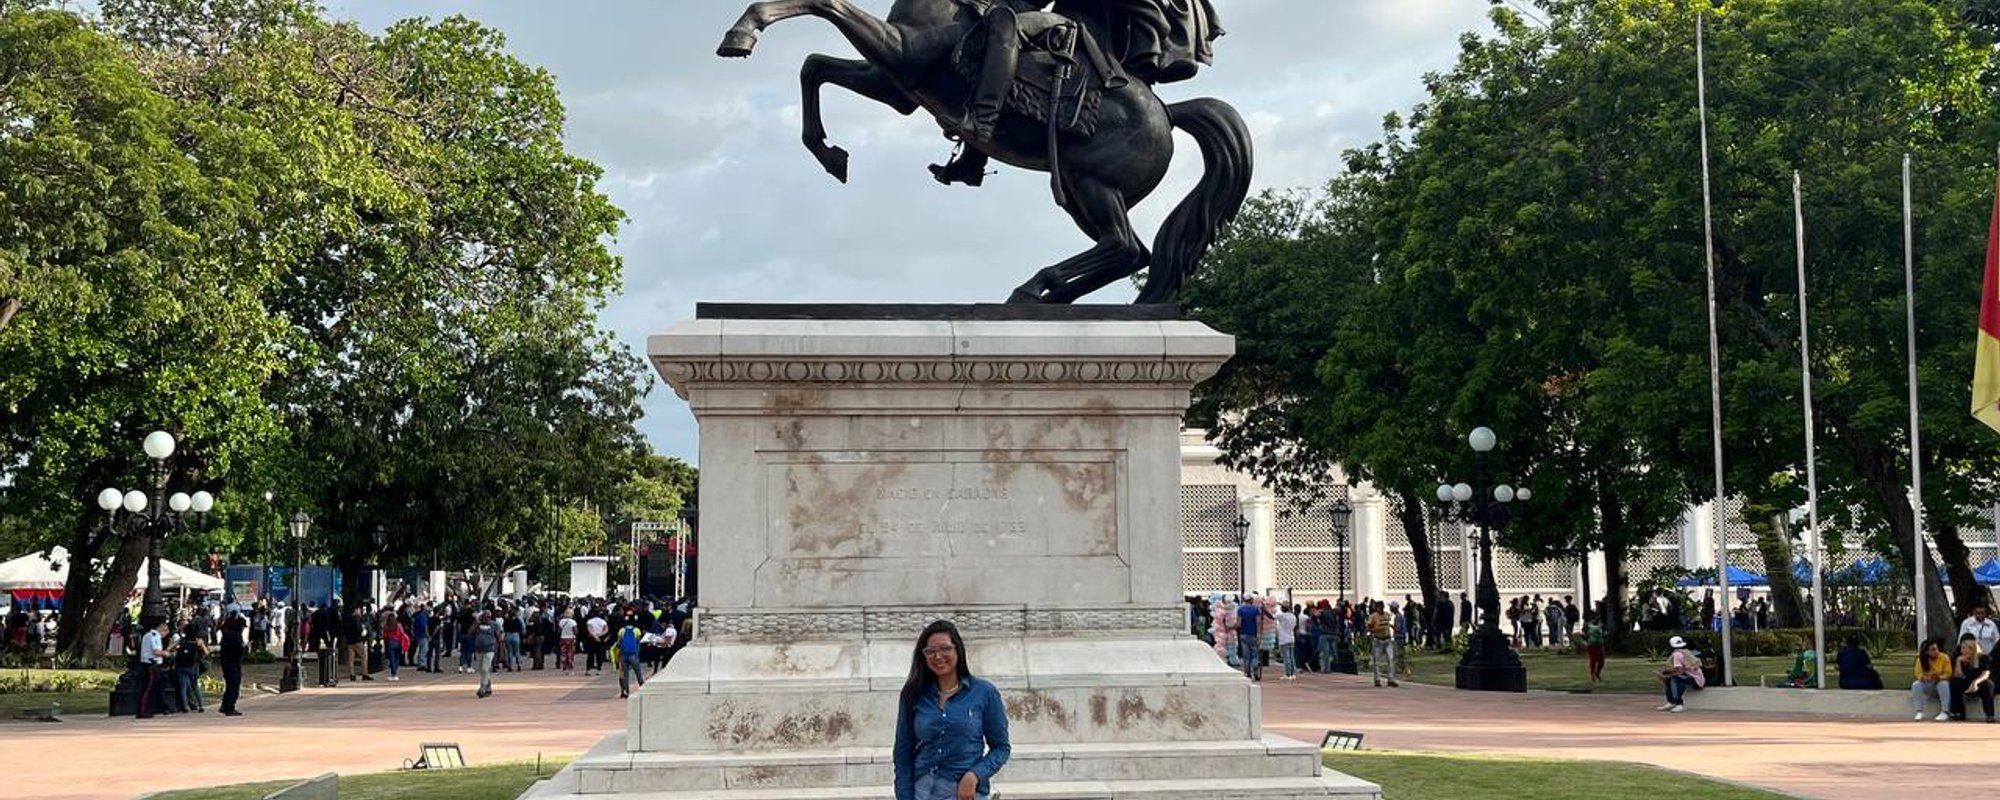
(628, 640)
(187, 655)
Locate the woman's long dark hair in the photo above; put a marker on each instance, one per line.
(1926, 646)
(920, 672)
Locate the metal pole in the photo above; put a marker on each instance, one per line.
(1714, 352)
(1919, 555)
(1812, 452)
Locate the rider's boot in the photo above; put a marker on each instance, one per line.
(968, 167)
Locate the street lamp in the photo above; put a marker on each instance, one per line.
(299, 525)
(156, 518)
(1242, 526)
(1342, 516)
(1490, 663)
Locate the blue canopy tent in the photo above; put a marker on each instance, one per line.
(1738, 576)
(1989, 572)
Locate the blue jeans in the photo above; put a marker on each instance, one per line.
(934, 787)
(417, 647)
(1246, 649)
(392, 656)
(190, 685)
(514, 652)
(1677, 687)
(1288, 653)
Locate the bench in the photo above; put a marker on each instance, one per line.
(1884, 703)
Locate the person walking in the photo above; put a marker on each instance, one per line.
(1933, 673)
(1593, 648)
(951, 727)
(1249, 620)
(1382, 645)
(1558, 619)
(232, 652)
(355, 635)
(630, 663)
(1683, 672)
(596, 634)
(395, 642)
(486, 638)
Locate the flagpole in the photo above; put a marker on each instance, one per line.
(1714, 359)
(1919, 555)
(1812, 451)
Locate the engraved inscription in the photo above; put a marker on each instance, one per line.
(951, 510)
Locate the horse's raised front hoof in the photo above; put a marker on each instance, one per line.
(834, 159)
(737, 44)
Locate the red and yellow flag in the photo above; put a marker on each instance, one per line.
(1986, 363)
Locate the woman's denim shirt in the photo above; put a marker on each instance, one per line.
(969, 735)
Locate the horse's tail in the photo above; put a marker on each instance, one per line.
(1225, 183)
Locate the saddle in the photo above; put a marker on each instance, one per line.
(1060, 77)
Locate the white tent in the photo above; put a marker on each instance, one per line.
(34, 571)
(174, 577)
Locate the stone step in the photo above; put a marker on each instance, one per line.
(607, 770)
(1323, 787)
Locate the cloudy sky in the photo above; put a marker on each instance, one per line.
(703, 153)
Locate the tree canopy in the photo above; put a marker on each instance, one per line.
(358, 271)
(1524, 250)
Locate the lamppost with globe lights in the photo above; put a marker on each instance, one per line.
(1341, 515)
(156, 518)
(299, 526)
(1490, 663)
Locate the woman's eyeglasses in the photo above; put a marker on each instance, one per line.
(939, 652)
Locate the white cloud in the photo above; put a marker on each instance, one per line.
(703, 153)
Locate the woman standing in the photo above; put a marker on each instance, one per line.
(951, 728)
(395, 642)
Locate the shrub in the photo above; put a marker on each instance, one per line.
(1772, 642)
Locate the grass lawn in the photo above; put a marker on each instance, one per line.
(80, 691)
(1428, 776)
(491, 782)
(1561, 672)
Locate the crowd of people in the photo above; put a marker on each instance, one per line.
(359, 643)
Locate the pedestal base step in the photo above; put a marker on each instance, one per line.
(1322, 787)
(1271, 768)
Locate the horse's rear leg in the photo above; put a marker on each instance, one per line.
(859, 77)
(1100, 212)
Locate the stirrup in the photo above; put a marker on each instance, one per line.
(955, 172)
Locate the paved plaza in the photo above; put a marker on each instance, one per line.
(1811, 756)
(374, 726)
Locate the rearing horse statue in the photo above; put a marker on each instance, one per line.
(1099, 171)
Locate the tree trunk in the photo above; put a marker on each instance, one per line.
(1876, 465)
(1614, 593)
(104, 604)
(1411, 512)
(1774, 543)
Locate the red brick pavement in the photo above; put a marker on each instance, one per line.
(372, 726)
(1822, 757)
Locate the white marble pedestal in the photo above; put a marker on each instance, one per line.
(861, 478)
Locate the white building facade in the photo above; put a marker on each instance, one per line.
(1288, 543)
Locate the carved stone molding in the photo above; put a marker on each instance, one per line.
(1099, 371)
(872, 623)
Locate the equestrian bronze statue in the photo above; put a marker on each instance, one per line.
(1066, 90)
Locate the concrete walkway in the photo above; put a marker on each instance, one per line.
(372, 726)
(1811, 756)
(375, 726)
